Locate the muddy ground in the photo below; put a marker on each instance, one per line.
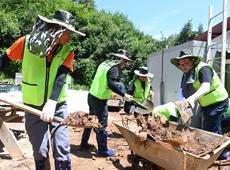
(80, 160)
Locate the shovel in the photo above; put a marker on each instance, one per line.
(138, 104)
(87, 120)
(149, 105)
(185, 111)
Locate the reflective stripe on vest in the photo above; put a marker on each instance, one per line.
(217, 91)
(141, 94)
(99, 87)
(34, 76)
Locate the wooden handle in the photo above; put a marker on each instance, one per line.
(27, 108)
(21, 106)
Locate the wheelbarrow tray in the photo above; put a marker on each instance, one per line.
(168, 157)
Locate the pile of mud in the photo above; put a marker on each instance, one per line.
(183, 138)
(82, 120)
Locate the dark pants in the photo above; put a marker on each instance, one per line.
(213, 115)
(38, 135)
(100, 109)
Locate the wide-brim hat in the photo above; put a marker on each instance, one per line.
(184, 54)
(122, 56)
(143, 71)
(63, 18)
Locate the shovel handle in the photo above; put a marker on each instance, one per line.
(27, 108)
(57, 119)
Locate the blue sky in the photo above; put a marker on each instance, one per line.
(165, 17)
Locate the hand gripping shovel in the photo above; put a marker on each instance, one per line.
(75, 119)
(185, 111)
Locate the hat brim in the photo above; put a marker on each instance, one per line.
(175, 60)
(137, 72)
(121, 56)
(54, 21)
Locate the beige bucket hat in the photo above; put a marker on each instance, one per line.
(123, 55)
(143, 71)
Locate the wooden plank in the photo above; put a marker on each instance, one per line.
(8, 139)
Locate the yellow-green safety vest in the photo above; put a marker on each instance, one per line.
(217, 91)
(99, 88)
(37, 78)
(141, 94)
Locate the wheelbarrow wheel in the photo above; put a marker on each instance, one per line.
(139, 163)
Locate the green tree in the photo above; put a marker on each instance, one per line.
(187, 33)
(105, 33)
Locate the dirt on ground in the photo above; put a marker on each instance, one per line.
(87, 160)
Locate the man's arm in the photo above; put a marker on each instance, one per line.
(205, 78)
(4, 62)
(129, 107)
(113, 76)
(59, 82)
(50, 106)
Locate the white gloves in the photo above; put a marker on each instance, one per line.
(204, 88)
(128, 97)
(191, 101)
(132, 109)
(48, 110)
(151, 94)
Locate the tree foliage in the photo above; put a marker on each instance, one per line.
(105, 33)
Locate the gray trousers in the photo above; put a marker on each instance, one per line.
(38, 135)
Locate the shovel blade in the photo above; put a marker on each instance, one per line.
(186, 115)
(185, 111)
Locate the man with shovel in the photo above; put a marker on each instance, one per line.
(105, 82)
(47, 58)
(201, 83)
(140, 88)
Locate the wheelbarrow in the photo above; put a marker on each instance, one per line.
(170, 158)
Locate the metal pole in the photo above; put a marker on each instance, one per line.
(209, 39)
(223, 52)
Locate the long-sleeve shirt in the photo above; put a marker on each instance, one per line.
(114, 76)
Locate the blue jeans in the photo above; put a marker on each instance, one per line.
(213, 115)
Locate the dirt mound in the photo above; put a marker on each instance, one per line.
(183, 138)
(81, 119)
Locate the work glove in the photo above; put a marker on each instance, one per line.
(132, 109)
(151, 94)
(48, 110)
(128, 97)
(191, 101)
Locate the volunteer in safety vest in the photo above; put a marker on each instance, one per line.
(140, 88)
(104, 83)
(47, 58)
(201, 83)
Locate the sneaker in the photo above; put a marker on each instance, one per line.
(223, 156)
(106, 153)
(86, 147)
